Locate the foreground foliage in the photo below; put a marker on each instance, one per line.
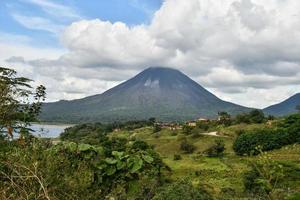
(78, 171)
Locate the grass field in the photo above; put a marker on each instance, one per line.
(222, 176)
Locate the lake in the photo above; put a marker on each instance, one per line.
(49, 130)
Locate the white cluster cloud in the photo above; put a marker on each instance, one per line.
(246, 51)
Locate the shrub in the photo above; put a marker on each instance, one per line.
(266, 139)
(186, 129)
(187, 147)
(182, 189)
(177, 157)
(287, 132)
(139, 144)
(254, 116)
(292, 126)
(264, 177)
(216, 149)
(250, 182)
(203, 125)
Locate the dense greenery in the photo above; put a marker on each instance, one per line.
(78, 171)
(94, 133)
(287, 132)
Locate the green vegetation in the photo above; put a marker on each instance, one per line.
(252, 158)
(286, 132)
(216, 150)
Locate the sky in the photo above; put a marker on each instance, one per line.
(244, 51)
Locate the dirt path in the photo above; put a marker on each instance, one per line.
(214, 133)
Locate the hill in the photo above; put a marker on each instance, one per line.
(286, 107)
(163, 93)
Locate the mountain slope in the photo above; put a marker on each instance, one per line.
(284, 108)
(163, 93)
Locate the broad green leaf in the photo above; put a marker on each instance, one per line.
(110, 170)
(71, 146)
(88, 155)
(147, 158)
(111, 161)
(137, 165)
(100, 166)
(84, 147)
(117, 154)
(120, 165)
(99, 150)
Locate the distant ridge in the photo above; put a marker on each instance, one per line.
(164, 93)
(286, 107)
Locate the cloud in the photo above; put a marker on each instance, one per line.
(55, 9)
(236, 48)
(38, 23)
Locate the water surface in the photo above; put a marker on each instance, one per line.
(48, 130)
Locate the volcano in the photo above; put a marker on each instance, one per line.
(164, 93)
(288, 106)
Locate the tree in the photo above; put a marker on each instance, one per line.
(257, 116)
(19, 104)
(186, 129)
(224, 118)
(152, 120)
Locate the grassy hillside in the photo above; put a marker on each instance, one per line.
(221, 176)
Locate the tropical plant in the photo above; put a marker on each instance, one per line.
(19, 104)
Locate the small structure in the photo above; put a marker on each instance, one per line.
(192, 123)
(203, 120)
(170, 126)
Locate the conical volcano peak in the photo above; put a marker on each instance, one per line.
(162, 74)
(161, 92)
(161, 69)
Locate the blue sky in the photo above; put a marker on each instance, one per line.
(41, 21)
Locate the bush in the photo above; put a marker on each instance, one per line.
(254, 116)
(139, 144)
(266, 139)
(203, 125)
(216, 149)
(266, 177)
(287, 132)
(177, 157)
(292, 125)
(186, 129)
(182, 189)
(250, 182)
(257, 116)
(187, 147)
